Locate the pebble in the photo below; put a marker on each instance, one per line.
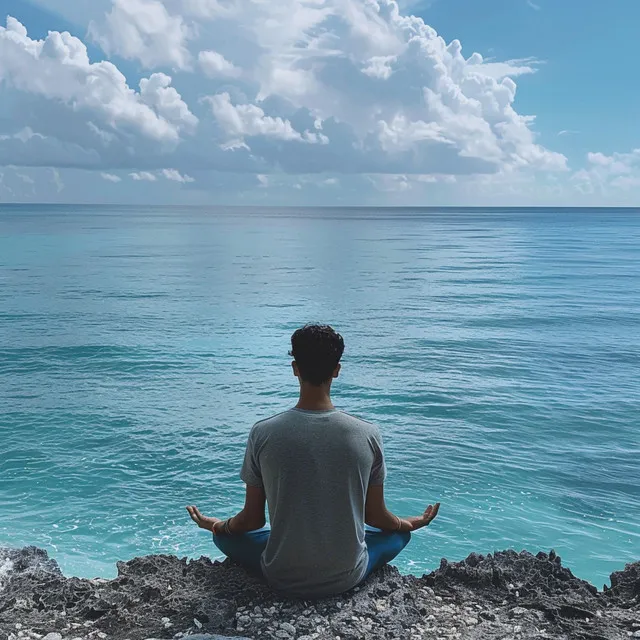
(288, 627)
(636, 634)
(53, 636)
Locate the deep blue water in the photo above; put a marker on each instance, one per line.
(499, 351)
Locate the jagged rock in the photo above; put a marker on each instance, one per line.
(625, 586)
(506, 594)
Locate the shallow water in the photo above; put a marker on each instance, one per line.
(498, 350)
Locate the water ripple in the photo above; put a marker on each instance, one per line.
(498, 351)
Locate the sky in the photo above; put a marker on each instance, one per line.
(320, 102)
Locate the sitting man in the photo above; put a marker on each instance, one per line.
(321, 473)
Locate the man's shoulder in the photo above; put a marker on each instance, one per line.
(367, 425)
(265, 423)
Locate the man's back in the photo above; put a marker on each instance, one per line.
(315, 467)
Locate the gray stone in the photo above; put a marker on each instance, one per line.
(219, 598)
(288, 627)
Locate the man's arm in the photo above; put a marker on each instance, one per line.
(249, 519)
(377, 515)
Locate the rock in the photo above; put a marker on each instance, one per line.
(289, 628)
(475, 598)
(625, 586)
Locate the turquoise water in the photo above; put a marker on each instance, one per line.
(498, 350)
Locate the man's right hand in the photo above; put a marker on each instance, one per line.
(426, 518)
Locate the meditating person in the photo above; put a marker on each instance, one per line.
(321, 473)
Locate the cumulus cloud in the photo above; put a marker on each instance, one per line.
(110, 177)
(175, 176)
(143, 30)
(143, 176)
(394, 86)
(607, 174)
(215, 65)
(337, 87)
(58, 69)
(247, 120)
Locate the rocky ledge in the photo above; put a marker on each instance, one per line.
(504, 595)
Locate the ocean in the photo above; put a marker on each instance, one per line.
(497, 349)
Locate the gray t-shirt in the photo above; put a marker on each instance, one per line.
(315, 467)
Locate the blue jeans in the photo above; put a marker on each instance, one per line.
(246, 549)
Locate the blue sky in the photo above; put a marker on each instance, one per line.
(338, 102)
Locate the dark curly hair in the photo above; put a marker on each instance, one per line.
(317, 350)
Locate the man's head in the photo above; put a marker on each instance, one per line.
(317, 350)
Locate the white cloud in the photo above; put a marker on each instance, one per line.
(110, 177)
(379, 67)
(176, 176)
(57, 180)
(157, 92)
(215, 65)
(25, 178)
(337, 87)
(144, 30)
(390, 182)
(24, 135)
(506, 69)
(58, 69)
(208, 9)
(609, 174)
(246, 120)
(143, 176)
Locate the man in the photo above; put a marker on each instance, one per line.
(321, 472)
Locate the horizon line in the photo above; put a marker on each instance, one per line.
(311, 206)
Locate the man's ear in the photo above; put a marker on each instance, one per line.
(336, 371)
(294, 366)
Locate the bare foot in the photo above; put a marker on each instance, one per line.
(202, 521)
